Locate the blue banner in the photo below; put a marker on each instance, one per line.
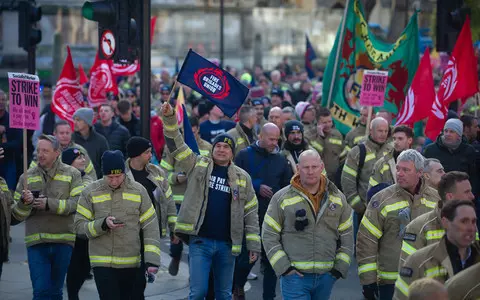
(309, 57)
(214, 83)
(188, 135)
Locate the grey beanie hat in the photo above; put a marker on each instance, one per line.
(85, 114)
(455, 125)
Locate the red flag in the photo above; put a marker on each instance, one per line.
(153, 21)
(102, 81)
(82, 76)
(125, 70)
(459, 81)
(68, 96)
(420, 96)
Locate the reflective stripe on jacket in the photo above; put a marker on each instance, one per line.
(379, 239)
(62, 185)
(384, 171)
(120, 247)
(326, 243)
(329, 147)
(244, 204)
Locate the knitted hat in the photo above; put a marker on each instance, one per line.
(137, 145)
(277, 92)
(301, 108)
(293, 125)
(455, 125)
(224, 138)
(257, 101)
(85, 114)
(113, 163)
(70, 155)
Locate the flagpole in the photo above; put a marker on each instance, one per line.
(339, 50)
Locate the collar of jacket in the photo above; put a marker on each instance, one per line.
(263, 151)
(329, 188)
(245, 132)
(52, 171)
(372, 144)
(421, 191)
(441, 145)
(149, 168)
(440, 254)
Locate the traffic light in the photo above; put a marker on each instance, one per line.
(451, 14)
(117, 28)
(28, 33)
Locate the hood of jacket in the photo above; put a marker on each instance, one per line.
(263, 151)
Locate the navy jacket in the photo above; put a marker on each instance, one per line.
(271, 169)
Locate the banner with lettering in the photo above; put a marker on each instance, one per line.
(361, 50)
(24, 94)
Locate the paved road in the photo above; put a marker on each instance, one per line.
(15, 283)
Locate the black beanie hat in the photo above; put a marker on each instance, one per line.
(113, 163)
(293, 125)
(69, 155)
(225, 138)
(137, 145)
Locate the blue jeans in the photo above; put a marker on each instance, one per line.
(308, 287)
(386, 291)
(176, 249)
(204, 254)
(48, 264)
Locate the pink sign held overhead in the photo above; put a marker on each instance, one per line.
(24, 94)
(374, 84)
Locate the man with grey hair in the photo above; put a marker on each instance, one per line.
(275, 116)
(433, 172)
(46, 199)
(288, 114)
(244, 132)
(388, 213)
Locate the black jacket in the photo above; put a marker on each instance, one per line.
(116, 135)
(271, 169)
(95, 145)
(133, 126)
(461, 159)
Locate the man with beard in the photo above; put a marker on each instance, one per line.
(384, 169)
(295, 143)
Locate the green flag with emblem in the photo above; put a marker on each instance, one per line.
(361, 50)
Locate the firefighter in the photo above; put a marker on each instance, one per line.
(307, 232)
(111, 212)
(453, 254)
(380, 235)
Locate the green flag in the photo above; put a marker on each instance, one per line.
(361, 50)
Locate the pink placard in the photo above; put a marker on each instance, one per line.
(24, 94)
(374, 84)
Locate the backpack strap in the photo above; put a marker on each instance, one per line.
(361, 161)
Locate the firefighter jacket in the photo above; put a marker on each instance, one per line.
(325, 243)
(384, 171)
(163, 202)
(62, 185)
(329, 147)
(354, 137)
(291, 160)
(380, 233)
(169, 165)
(421, 232)
(6, 202)
(240, 137)
(244, 204)
(357, 197)
(432, 261)
(90, 173)
(465, 285)
(120, 247)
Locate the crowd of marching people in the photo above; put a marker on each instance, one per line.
(277, 183)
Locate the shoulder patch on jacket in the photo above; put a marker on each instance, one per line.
(406, 272)
(410, 237)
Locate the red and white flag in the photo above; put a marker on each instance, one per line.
(421, 94)
(125, 70)
(102, 81)
(460, 80)
(68, 96)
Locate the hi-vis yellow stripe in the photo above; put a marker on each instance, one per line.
(101, 198)
(62, 204)
(115, 260)
(168, 193)
(33, 179)
(241, 182)
(84, 212)
(89, 168)
(166, 165)
(152, 248)
(240, 141)
(204, 152)
(273, 224)
(335, 141)
(358, 139)
(290, 201)
(132, 197)
(393, 207)
(384, 168)
(61, 177)
(182, 155)
(427, 203)
(76, 191)
(251, 203)
(279, 254)
(146, 215)
(370, 156)
(407, 248)
(317, 146)
(335, 199)
(201, 163)
(371, 228)
(372, 182)
(347, 224)
(350, 171)
(402, 286)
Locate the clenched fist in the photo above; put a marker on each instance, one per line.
(167, 110)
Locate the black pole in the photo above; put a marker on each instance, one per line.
(222, 12)
(31, 60)
(145, 67)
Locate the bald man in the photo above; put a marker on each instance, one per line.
(275, 116)
(270, 172)
(307, 233)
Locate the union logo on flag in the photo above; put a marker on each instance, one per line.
(213, 82)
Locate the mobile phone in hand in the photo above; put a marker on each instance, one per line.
(116, 222)
(36, 194)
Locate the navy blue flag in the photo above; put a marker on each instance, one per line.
(177, 66)
(188, 135)
(214, 83)
(309, 57)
